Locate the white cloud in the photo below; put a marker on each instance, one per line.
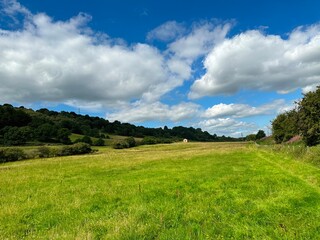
(243, 110)
(156, 111)
(199, 41)
(64, 61)
(12, 8)
(310, 88)
(252, 60)
(167, 32)
(227, 127)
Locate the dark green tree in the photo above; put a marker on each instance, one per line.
(131, 142)
(46, 132)
(285, 126)
(260, 134)
(309, 117)
(251, 137)
(63, 136)
(14, 136)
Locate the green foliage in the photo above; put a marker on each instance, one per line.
(125, 143)
(149, 141)
(75, 149)
(309, 113)
(63, 136)
(84, 139)
(260, 134)
(99, 142)
(285, 126)
(120, 145)
(131, 142)
(15, 154)
(11, 155)
(10, 116)
(304, 120)
(46, 132)
(14, 136)
(154, 140)
(45, 152)
(251, 137)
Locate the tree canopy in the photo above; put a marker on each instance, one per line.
(304, 121)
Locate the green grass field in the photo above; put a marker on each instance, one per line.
(176, 191)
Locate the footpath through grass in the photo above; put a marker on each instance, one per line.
(176, 191)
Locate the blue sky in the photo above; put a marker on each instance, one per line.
(228, 67)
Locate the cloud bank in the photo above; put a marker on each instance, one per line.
(243, 110)
(60, 61)
(254, 60)
(142, 112)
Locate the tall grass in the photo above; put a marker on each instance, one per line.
(299, 152)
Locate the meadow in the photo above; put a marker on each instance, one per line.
(174, 191)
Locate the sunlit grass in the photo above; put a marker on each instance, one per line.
(176, 191)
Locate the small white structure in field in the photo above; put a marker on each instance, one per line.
(185, 140)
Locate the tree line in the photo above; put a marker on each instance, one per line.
(303, 120)
(19, 125)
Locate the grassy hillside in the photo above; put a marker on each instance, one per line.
(176, 191)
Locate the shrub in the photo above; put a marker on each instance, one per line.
(44, 152)
(117, 145)
(11, 155)
(149, 140)
(104, 136)
(78, 148)
(84, 139)
(82, 148)
(99, 142)
(120, 144)
(130, 141)
(126, 143)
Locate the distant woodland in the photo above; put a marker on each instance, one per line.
(20, 126)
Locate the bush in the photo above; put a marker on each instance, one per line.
(149, 140)
(84, 139)
(82, 148)
(120, 144)
(104, 136)
(130, 141)
(126, 143)
(117, 145)
(11, 155)
(99, 142)
(44, 152)
(78, 148)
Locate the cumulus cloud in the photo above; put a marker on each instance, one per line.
(12, 9)
(202, 38)
(167, 32)
(65, 61)
(310, 88)
(253, 60)
(243, 110)
(156, 111)
(227, 127)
